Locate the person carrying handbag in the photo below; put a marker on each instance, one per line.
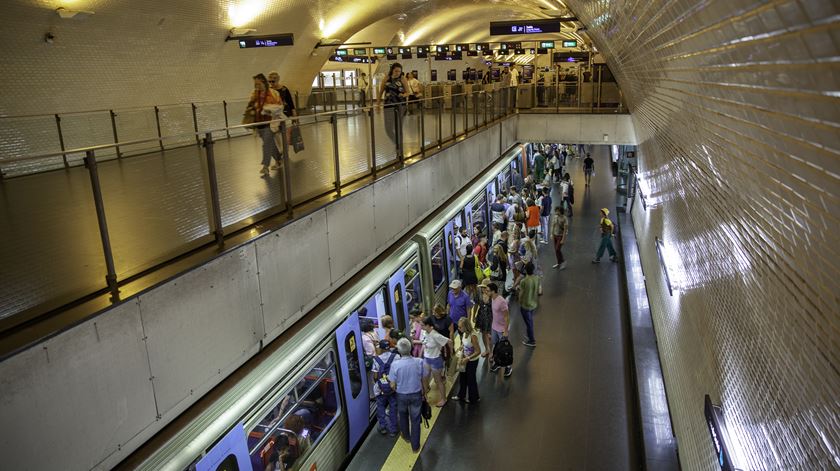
(263, 103)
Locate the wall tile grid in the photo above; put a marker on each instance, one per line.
(737, 113)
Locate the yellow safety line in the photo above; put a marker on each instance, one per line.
(401, 456)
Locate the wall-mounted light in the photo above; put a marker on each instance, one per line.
(67, 14)
(241, 31)
(664, 258)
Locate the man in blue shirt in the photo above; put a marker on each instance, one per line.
(409, 378)
(458, 302)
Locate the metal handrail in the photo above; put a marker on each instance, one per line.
(201, 134)
(118, 110)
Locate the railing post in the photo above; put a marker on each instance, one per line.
(453, 109)
(227, 124)
(440, 121)
(195, 123)
(475, 110)
(485, 106)
(372, 142)
(334, 125)
(111, 272)
(287, 169)
(466, 115)
(61, 140)
(399, 133)
(344, 92)
(422, 129)
(114, 129)
(157, 123)
(215, 205)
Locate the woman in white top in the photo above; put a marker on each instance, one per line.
(433, 343)
(470, 352)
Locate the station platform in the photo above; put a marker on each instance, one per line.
(567, 404)
(157, 204)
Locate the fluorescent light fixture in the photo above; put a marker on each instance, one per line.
(665, 256)
(67, 14)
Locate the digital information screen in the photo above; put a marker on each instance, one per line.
(462, 47)
(353, 59)
(405, 50)
(379, 51)
(450, 75)
(571, 57)
(572, 43)
(482, 46)
(495, 73)
(442, 48)
(341, 52)
(273, 40)
(359, 52)
(546, 44)
(498, 28)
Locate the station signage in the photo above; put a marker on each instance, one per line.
(482, 46)
(571, 57)
(462, 47)
(379, 51)
(570, 43)
(422, 52)
(341, 52)
(719, 434)
(442, 48)
(405, 50)
(546, 44)
(272, 40)
(498, 28)
(359, 52)
(353, 59)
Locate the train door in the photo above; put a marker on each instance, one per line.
(504, 180)
(396, 293)
(413, 286)
(478, 208)
(348, 336)
(491, 198)
(438, 269)
(468, 219)
(451, 258)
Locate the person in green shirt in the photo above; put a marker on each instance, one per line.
(539, 168)
(528, 296)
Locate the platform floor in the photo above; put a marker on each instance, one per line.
(157, 206)
(567, 404)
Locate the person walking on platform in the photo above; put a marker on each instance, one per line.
(588, 168)
(468, 363)
(567, 192)
(539, 168)
(528, 294)
(501, 321)
(362, 86)
(559, 230)
(410, 380)
(395, 90)
(262, 103)
(607, 229)
(386, 400)
(433, 344)
(545, 214)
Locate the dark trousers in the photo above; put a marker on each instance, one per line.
(558, 249)
(362, 98)
(387, 420)
(528, 318)
(408, 406)
(606, 244)
(468, 382)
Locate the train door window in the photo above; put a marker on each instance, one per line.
(413, 290)
(504, 180)
(372, 312)
(438, 275)
(453, 260)
(479, 211)
(460, 221)
(298, 419)
(399, 308)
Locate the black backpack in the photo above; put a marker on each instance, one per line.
(503, 353)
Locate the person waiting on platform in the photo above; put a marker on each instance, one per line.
(362, 85)
(387, 324)
(458, 302)
(410, 379)
(470, 351)
(433, 344)
(484, 316)
(469, 266)
(386, 399)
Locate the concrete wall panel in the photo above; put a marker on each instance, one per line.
(350, 232)
(576, 128)
(293, 272)
(78, 397)
(201, 326)
(390, 214)
(419, 178)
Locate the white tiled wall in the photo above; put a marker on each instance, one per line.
(735, 108)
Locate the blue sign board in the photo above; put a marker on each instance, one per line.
(229, 454)
(498, 28)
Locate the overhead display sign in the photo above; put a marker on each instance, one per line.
(719, 434)
(571, 57)
(379, 51)
(272, 40)
(462, 47)
(546, 44)
(405, 50)
(353, 59)
(499, 28)
(341, 52)
(359, 52)
(570, 43)
(442, 48)
(482, 46)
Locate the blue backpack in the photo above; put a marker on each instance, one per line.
(384, 370)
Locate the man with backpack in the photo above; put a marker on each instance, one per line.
(607, 229)
(386, 399)
(502, 350)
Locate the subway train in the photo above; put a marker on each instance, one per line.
(307, 405)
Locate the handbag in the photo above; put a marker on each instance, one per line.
(297, 139)
(479, 273)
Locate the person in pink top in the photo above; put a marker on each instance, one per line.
(501, 320)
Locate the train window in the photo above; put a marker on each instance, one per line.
(374, 309)
(353, 367)
(479, 210)
(298, 420)
(413, 290)
(399, 308)
(438, 274)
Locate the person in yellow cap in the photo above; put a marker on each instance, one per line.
(607, 230)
